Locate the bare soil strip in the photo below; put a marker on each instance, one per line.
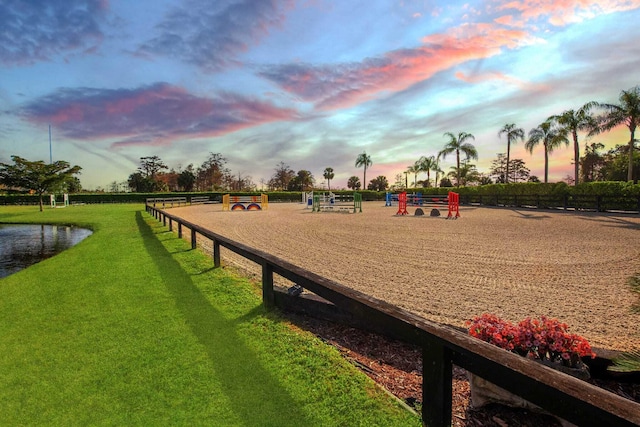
(512, 262)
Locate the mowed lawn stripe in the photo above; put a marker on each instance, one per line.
(133, 327)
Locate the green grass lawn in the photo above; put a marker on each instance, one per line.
(132, 327)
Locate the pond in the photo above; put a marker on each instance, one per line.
(22, 245)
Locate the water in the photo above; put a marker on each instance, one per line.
(22, 245)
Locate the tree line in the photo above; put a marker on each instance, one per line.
(593, 118)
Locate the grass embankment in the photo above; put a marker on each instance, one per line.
(132, 327)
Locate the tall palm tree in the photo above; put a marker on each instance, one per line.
(427, 164)
(437, 170)
(328, 175)
(627, 112)
(364, 160)
(513, 134)
(457, 144)
(572, 121)
(551, 138)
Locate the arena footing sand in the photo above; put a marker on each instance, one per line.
(513, 262)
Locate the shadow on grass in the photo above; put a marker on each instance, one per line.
(255, 396)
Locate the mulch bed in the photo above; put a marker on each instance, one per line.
(397, 367)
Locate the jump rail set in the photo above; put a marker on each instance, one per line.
(560, 394)
(245, 203)
(337, 202)
(65, 201)
(452, 200)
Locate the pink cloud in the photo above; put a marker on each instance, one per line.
(345, 85)
(156, 114)
(508, 20)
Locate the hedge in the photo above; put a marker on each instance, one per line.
(607, 195)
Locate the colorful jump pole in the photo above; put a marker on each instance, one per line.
(402, 204)
(454, 205)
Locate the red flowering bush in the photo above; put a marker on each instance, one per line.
(543, 338)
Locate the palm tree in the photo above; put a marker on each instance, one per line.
(457, 144)
(354, 183)
(437, 170)
(415, 170)
(427, 164)
(551, 138)
(627, 112)
(468, 173)
(328, 175)
(364, 160)
(513, 135)
(575, 121)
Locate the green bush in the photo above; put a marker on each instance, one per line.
(608, 195)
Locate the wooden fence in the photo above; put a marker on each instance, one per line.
(560, 394)
(564, 202)
(167, 201)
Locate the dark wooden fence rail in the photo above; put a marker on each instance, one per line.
(166, 201)
(560, 394)
(566, 202)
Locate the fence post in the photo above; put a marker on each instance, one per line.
(180, 230)
(216, 253)
(170, 224)
(193, 239)
(437, 385)
(164, 219)
(268, 298)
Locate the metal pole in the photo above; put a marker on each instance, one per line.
(50, 151)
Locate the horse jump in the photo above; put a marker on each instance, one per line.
(452, 200)
(65, 200)
(337, 202)
(245, 203)
(307, 199)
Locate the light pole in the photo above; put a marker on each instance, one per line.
(50, 150)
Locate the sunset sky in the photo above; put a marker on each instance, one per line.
(311, 83)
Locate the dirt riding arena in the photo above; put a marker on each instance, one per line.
(515, 263)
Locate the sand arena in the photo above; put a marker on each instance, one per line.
(512, 262)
